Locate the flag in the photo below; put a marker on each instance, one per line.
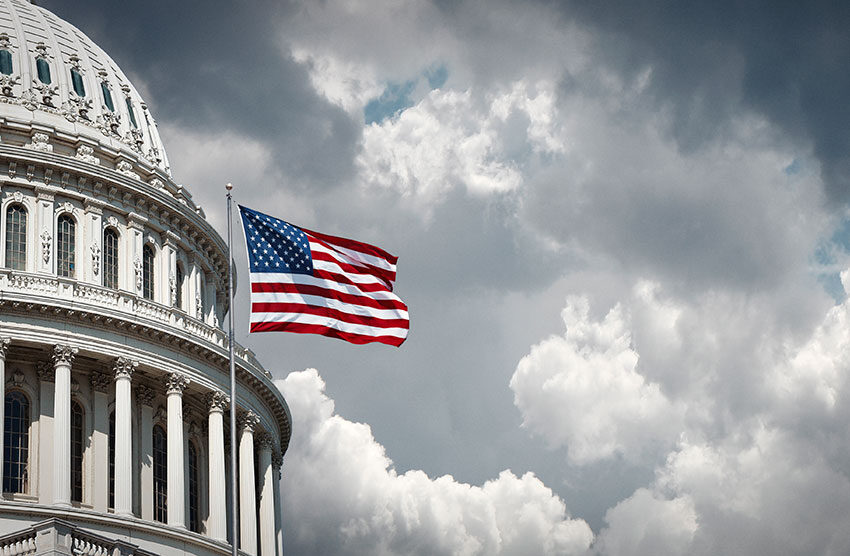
(311, 283)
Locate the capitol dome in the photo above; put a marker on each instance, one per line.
(113, 363)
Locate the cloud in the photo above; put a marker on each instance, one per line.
(345, 497)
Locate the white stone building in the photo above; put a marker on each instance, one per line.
(113, 363)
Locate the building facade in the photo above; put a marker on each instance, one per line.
(113, 363)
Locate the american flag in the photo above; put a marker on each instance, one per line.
(311, 283)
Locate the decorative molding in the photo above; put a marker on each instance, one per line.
(126, 168)
(145, 395)
(175, 383)
(277, 461)
(67, 206)
(86, 154)
(124, 367)
(217, 401)
(199, 306)
(248, 421)
(16, 379)
(17, 196)
(63, 354)
(40, 142)
(4, 346)
(7, 84)
(264, 441)
(100, 381)
(112, 221)
(95, 258)
(172, 287)
(137, 267)
(45, 371)
(46, 242)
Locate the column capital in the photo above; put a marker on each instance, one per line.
(264, 441)
(217, 401)
(145, 395)
(248, 421)
(124, 367)
(277, 461)
(45, 371)
(100, 381)
(175, 383)
(63, 354)
(4, 346)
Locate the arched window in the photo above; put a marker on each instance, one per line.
(194, 494)
(66, 230)
(77, 82)
(112, 459)
(178, 294)
(110, 258)
(160, 474)
(16, 433)
(147, 271)
(16, 237)
(77, 431)
(5, 62)
(131, 112)
(42, 68)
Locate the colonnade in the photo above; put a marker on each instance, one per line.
(260, 490)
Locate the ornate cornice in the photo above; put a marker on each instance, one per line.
(124, 367)
(63, 354)
(175, 383)
(217, 401)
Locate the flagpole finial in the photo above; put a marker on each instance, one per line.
(229, 186)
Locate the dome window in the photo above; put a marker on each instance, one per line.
(16, 422)
(131, 113)
(77, 82)
(107, 96)
(42, 68)
(5, 62)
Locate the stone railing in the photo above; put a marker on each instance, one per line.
(18, 543)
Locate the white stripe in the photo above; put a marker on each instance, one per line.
(308, 280)
(336, 269)
(329, 322)
(351, 256)
(319, 301)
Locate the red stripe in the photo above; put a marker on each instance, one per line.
(301, 328)
(378, 322)
(343, 279)
(348, 268)
(272, 287)
(354, 245)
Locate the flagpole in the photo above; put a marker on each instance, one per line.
(234, 517)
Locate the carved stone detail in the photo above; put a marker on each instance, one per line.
(199, 306)
(45, 371)
(172, 287)
(64, 354)
(248, 421)
(217, 401)
(175, 383)
(95, 258)
(17, 196)
(46, 241)
(264, 441)
(7, 82)
(145, 395)
(17, 378)
(137, 267)
(112, 221)
(65, 207)
(126, 168)
(40, 142)
(100, 381)
(4, 347)
(277, 461)
(124, 367)
(86, 154)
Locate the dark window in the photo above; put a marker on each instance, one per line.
(16, 237)
(110, 258)
(77, 429)
(42, 67)
(16, 433)
(178, 294)
(131, 112)
(160, 474)
(107, 96)
(77, 82)
(194, 521)
(5, 62)
(66, 229)
(112, 459)
(147, 271)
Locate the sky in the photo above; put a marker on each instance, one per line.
(623, 236)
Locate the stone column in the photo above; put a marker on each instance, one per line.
(63, 356)
(265, 446)
(277, 462)
(100, 440)
(217, 525)
(4, 346)
(43, 480)
(123, 436)
(175, 385)
(247, 486)
(144, 397)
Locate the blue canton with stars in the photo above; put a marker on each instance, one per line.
(275, 245)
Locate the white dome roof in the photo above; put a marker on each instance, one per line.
(109, 111)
